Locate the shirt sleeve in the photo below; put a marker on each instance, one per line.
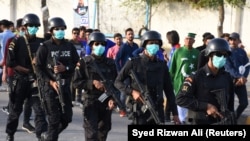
(169, 92)
(118, 58)
(186, 96)
(122, 75)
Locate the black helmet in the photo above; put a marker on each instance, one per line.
(150, 35)
(96, 37)
(217, 44)
(56, 22)
(31, 19)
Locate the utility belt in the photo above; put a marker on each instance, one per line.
(94, 96)
(21, 77)
(25, 77)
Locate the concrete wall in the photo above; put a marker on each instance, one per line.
(113, 17)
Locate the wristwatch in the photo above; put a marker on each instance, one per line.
(67, 68)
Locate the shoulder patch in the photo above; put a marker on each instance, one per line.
(11, 45)
(184, 88)
(186, 84)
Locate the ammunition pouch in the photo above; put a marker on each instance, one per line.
(103, 97)
(131, 108)
(13, 84)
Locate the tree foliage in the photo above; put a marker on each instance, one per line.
(211, 4)
(195, 3)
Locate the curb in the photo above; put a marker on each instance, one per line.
(244, 120)
(248, 120)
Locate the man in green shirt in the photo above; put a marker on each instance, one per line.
(184, 62)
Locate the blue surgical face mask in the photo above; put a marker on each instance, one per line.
(219, 62)
(152, 49)
(21, 33)
(32, 30)
(98, 50)
(59, 34)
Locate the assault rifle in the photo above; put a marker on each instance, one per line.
(37, 82)
(228, 116)
(60, 83)
(148, 103)
(110, 90)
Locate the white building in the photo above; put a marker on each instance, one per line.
(111, 16)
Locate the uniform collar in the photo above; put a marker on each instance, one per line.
(98, 58)
(209, 72)
(145, 57)
(62, 41)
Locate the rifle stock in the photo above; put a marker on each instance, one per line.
(110, 89)
(148, 103)
(60, 85)
(229, 117)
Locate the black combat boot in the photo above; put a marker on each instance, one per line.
(44, 136)
(10, 138)
(28, 127)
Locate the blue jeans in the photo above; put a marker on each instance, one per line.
(241, 92)
(123, 96)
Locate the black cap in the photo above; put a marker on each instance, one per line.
(206, 34)
(19, 22)
(210, 36)
(234, 35)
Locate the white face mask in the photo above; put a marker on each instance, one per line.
(219, 62)
(152, 49)
(98, 50)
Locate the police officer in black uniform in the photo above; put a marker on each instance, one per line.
(55, 64)
(209, 94)
(154, 76)
(97, 108)
(21, 53)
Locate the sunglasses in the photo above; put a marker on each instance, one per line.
(152, 42)
(59, 28)
(219, 54)
(32, 25)
(99, 43)
(232, 39)
(75, 33)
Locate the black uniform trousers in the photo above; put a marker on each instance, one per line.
(96, 120)
(57, 121)
(23, 91)
(41, 124)
(27, 110)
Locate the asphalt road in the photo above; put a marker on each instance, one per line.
(75, 132)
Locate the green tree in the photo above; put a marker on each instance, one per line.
(212, 4)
